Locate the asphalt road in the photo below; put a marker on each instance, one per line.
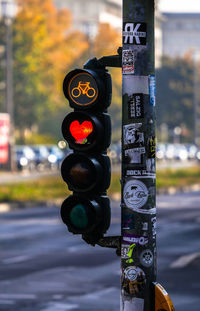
(44, 268)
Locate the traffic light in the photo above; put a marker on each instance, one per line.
(87, 170)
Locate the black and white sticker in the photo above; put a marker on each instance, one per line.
(132, 273)
(151, 166)
(128, 60)
(146, 258)
(124, 251)
(140, 173)
(136, 106)
(135, 194)
(153, 222)
(135, 155)
(145, 226)
(135, 33)
(136, 239)
(133, 134)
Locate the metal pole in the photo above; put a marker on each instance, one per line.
(138, 251)
(9, 89)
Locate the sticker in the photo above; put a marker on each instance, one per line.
(135, 33)
(133, 304)
(151, 147)
(124, 251)
(127, 222)
(130, 253)
(135, 85)
(151, 166)
(131, 273)
(132, 135)
(138, 173)
(135, 194)
(128, 59)
(145, 226)
(136, 106)
(152, 90)
(146, 258)
(134, 155)
(133, 280)
(153, 222)
(138, 240)
(152, 191)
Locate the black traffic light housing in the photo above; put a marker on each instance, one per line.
(90, 221)
(87, 170)
(86, 173)
(88, 89)
(85, 131)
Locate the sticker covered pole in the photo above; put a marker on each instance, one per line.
(138, 248)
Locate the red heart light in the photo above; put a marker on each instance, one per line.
(81, 131)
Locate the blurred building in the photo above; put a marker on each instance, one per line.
(88, 14)
(180, 33)
(158, 38)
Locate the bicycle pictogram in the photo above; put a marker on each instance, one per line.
(84, 89)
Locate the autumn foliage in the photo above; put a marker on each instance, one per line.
(45, 48)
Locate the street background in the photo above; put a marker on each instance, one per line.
(44, 267)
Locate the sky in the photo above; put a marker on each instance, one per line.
(180, 5)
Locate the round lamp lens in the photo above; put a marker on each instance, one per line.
(82, 89)
(78, 216)
(82, 175)
(80, 131)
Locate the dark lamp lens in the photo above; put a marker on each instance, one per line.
(81, 175)
(80, 131)
(78, 216)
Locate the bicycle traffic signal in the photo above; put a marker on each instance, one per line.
(87, 170)
(88, 89)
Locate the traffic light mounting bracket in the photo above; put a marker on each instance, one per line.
(105, 61)
(111, 242)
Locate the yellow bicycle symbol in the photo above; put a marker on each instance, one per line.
(83, 88)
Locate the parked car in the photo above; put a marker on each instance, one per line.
(25, 158)
(41, 153)
(192, 151)
(160, 151)
(180, 152)
(55, 156)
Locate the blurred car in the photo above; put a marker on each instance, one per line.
(160, 151)
(41, 157)
(180, 152)
(170, 152)
(25, 158)
(55, 156)
(192, 151)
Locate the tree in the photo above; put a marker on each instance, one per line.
(175, 82)
(43, 50)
